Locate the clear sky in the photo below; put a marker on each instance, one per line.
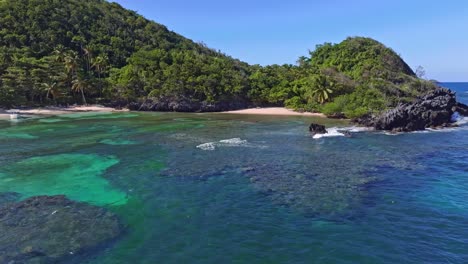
(431, 33)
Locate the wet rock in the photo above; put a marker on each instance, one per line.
(462, 109)
(317, 129)
(434, 109)
(50, 229)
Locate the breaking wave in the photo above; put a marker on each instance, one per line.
(342, 131)
(232, 142)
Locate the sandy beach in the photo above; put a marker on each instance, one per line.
(51, 111)
(280, 111)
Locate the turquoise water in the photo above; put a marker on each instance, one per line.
(255, 190)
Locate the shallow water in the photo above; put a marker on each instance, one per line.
(216, 188)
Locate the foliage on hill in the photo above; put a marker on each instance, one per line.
(355, 77)
(69, 51)
(65, 50)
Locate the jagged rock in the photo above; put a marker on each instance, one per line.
(317, 129)
(434, 109)
(49, 229)
(462, 109)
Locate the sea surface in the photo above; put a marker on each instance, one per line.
(219, 188)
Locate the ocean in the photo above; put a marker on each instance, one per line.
(219, 188)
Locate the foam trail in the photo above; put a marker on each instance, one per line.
(332, 132)
(232, 142)
(342, 131)
(207, 146)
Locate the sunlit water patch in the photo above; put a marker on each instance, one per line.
(78, 176)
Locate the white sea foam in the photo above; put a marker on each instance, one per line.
(463, 120)
(207, 146)
(232, 142)
(342, 131)
(332, 132)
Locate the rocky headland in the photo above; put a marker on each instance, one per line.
(433, 110)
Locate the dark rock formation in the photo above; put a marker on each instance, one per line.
(462, 109)
(434, 109)
(182, 104)
(317, 129)
(49, 229)
(337, 116)
(7, 197)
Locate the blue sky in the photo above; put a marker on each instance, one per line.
(428, 33)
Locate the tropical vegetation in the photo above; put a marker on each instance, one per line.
(58, 52)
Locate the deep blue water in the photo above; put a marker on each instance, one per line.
(273, 195)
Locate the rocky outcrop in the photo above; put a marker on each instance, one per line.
(182, 104)
(49, 229)
(317, 129)
(434, 109)
(462, 109)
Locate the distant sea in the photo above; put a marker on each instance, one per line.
(460, 87)
(219, 188)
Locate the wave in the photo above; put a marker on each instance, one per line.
(207, 146)
(463, 120)
(232, 142)
(342, 131)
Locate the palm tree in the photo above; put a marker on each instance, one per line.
(100, 64)
(88, 57)
(79, 85)
(59, 53)
(71, 61)
(52, 89)
(320, 88)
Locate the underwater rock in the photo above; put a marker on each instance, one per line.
(48, 229)
(317, 129)
(6, 197)
(434, 109)
(321, 193)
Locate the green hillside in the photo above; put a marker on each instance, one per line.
(354, 77)
(93, 51)
(56, 51)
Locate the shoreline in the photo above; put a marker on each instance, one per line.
(278, 111)
(54, 111)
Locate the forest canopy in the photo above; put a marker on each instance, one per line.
(92, 51)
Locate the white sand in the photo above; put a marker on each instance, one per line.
(5, 114)
(280, 111)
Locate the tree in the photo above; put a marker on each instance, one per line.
(79, 85)
(420, 72)
(320, 88)
(52, 89)
(71, 61)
